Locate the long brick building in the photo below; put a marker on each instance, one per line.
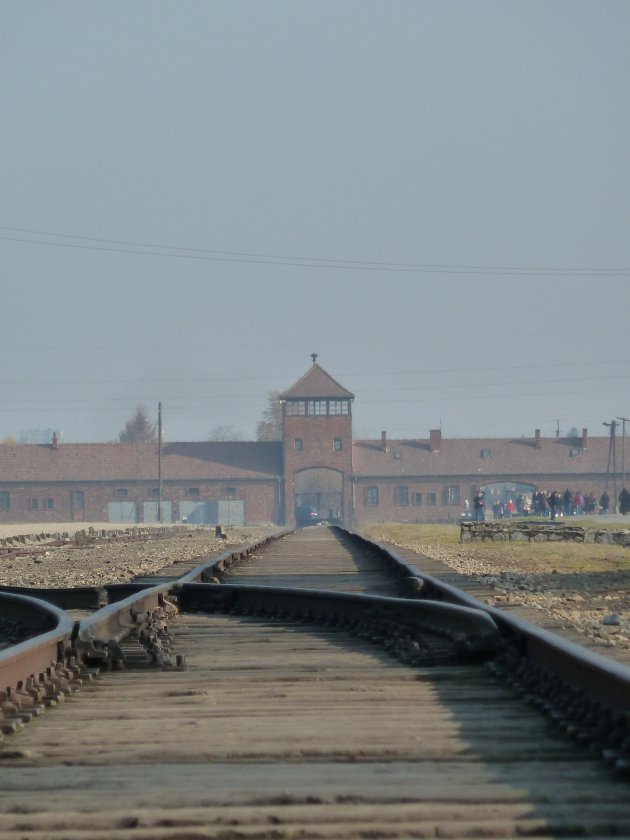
(317, 463)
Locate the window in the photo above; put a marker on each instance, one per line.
(50, 504)
(371, 495)
(5, 501)
(193, 491)
(416, 499)
(452, 495)
(296, 408)
(229, 491)
(338, 407)
(337, 444)
(431, 499)
(33, 504)
(121, 492)
(154, 491)
(397, 454)
(401, 496)
(485, 453)
(317, 407)
(78, 500)
(575, 452)
(297, 444)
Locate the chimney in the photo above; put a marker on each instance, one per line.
(584, 438)
(384, 441)
(435, 439)
(54, 443)
(537, 438)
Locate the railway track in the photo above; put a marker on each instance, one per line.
(302, 696)
(486, 594)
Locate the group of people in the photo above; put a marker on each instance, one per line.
(556, 504)
(550, 505)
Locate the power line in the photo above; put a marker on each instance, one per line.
(401, 390)
(493, 384)
(371, 342)
(215, 396)
(266, 379)
(177, 252)
(212, 400)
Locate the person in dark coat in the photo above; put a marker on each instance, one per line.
(624, 502)
(604, 502)
(567, 498)
(554, 504)
(479, 505)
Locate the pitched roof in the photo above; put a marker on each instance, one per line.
(138, 462)
(231, 461)
(316, 384)
(463, 457)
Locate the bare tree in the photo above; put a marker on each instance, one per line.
(269, 427)
(224, 433)
(138, 429)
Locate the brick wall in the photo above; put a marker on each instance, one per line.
(317, 435)
(409, 500)
(56, 502)
(449, 494)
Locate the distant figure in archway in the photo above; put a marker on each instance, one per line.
(479, 506)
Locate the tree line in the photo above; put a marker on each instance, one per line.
(140, 429)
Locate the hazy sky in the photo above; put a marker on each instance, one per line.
(433, 196)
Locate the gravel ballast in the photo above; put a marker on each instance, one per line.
(595, 605)
(93, 561)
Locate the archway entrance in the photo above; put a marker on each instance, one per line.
(500, 495)
(322, 490)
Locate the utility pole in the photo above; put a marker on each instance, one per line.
(624, 420)
(612, 459)
(159, 503)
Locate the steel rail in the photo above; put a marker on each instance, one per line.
(27, 661)
(143, 616)
(98, 636)
(601, 678)
(563, 679)
(604, 680)
(472, 629)
(585, 693)
(141, 612)
(66, 598)
(215, 567)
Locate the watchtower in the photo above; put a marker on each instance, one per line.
(317, 446)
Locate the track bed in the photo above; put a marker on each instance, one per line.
(317, 558)
(278, 729)
(275, 729)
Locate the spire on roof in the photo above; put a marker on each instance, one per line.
(314, 357)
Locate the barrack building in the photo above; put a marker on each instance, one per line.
(316, 464)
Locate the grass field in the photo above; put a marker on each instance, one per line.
(517, 556)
